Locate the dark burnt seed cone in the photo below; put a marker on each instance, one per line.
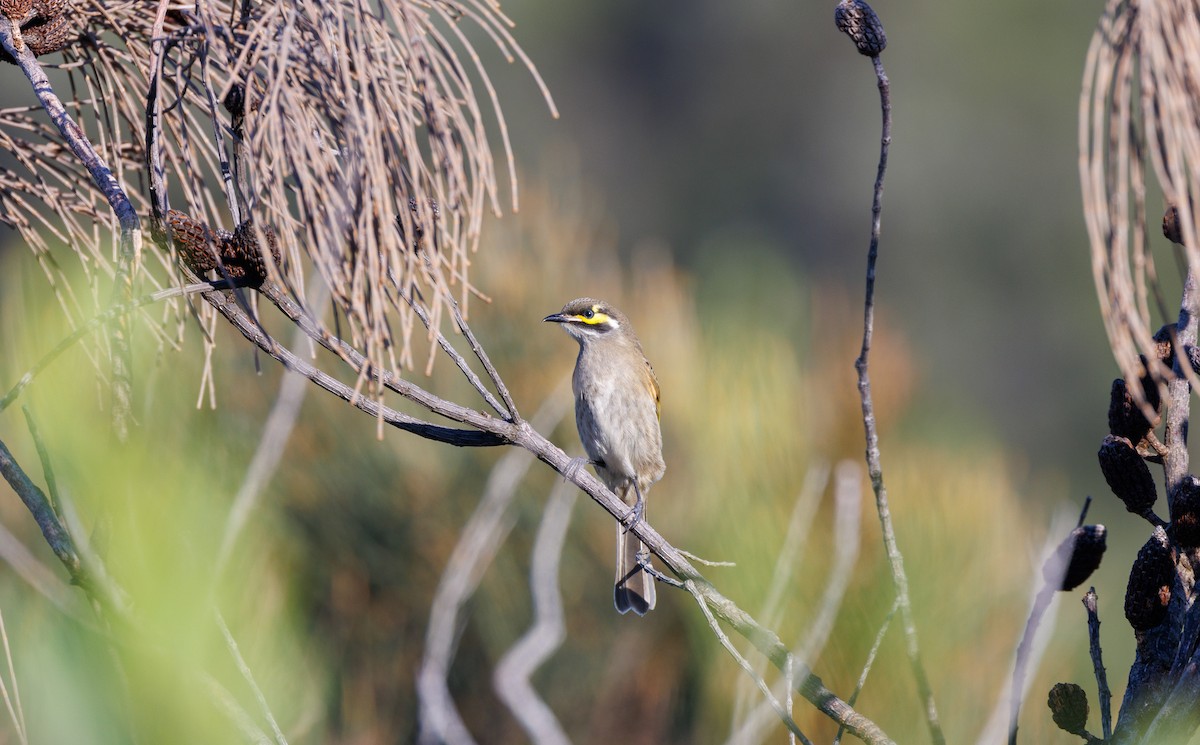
(235, 99)
(1069, 707)
(1150, 579)
(857, 20)
(1125, 415)
(1127, 474)
(1080, 552)
(1185, 512)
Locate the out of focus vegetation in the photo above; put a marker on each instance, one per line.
(722, 198)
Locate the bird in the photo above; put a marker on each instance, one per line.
(617, 411)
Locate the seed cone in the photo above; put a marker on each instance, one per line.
(194, 241)
(1069, 706)
(1185, 512)
(857, 20)
(1171, 227)
(43, 24)
(1150, 580)
(1125, 415)
(241, 257)
(1080, 552)
(1127, 474)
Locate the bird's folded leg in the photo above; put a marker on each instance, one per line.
(634, 516)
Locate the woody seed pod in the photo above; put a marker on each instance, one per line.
(194, 242)
(1080, 553)
(1125, 416)
(1127, 474)
(1069, 707)
(858, 20)
(1171, 227)
(1150, 579)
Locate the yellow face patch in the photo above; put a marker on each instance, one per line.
(593, 317)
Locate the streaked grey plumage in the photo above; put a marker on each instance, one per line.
(616, 412)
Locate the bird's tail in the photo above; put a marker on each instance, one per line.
(634, 590)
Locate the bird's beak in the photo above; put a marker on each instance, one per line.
(556, 318)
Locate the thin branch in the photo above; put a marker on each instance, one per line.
(232, 645)
(131, 234)
(477, 348)
(862, 677)
(741, 661)
(1103, 692)
(1175, 463)
(1054, 570)
(511, 679)
(453, 354)
(847, 510)
(1041, 604)
(483, 437)
(874, 466)
(43, 514)
(12, 702)
(44, 457)
(786, 563)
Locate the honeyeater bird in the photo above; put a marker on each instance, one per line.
(616, 411)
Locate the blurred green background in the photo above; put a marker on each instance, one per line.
(711, 174)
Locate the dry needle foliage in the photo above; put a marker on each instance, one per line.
(1139, 115)
(357, 132)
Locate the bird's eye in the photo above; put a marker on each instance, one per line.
(589, 313)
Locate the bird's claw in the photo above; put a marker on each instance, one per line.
(572, 470)
(634, 516)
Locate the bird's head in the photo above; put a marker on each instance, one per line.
(588, 319)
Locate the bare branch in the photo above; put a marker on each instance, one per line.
(874, 466)
(862, 678)
(847, 503)
(1105, 695)
(511, 679)
(785, 564)
(232, 645)
(481, 538)
(741, 661)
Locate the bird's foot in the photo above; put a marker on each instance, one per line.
(572, 470)
(634, 516)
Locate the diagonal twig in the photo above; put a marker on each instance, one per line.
(741, 661)
(847, 510)
(1102, 690)
(862, 677)
(232, 645)
(874, 466)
